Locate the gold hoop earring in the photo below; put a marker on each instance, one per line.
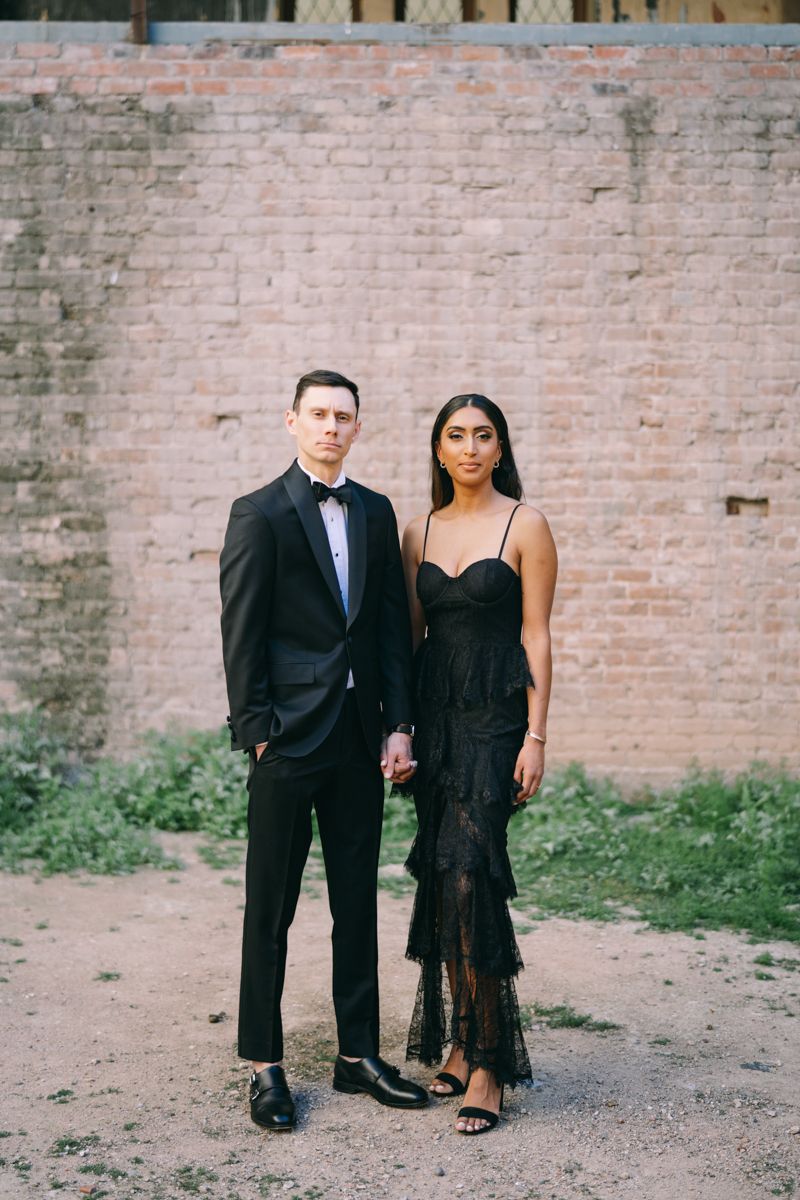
(497, 464)
(441, 464)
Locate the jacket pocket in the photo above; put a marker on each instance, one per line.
(283, 673)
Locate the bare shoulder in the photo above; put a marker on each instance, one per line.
(532, 537)
(531, 523)
(414, 534)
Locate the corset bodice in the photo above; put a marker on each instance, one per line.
(482, 604)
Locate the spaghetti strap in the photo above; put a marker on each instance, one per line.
(505, 535)
(427, 527)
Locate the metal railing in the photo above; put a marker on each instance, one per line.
(339, 12)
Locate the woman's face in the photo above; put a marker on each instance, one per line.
(469, 447)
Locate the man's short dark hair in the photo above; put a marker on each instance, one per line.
(323, 379)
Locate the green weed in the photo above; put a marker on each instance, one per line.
(563, 1016)
(704, 854)
(72, 1145)
(220, 856)
(191, 1179)
(99, 817)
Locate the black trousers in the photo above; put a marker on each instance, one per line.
(343, 782)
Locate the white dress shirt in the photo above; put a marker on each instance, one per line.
(334, 518)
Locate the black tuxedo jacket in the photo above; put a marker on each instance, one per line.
(287, 644)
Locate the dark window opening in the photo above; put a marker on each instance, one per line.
(740, 506)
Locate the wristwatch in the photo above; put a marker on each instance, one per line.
(409, 729)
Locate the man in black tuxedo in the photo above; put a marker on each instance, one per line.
(316, 640)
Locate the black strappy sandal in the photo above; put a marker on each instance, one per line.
(482, 1114)
(452, 1081)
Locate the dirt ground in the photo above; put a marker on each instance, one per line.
(120, 1083)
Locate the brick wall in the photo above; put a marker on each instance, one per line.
(604, 240)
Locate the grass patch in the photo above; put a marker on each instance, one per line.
(707, 853)
(766, 960)
(99, 817)
(107, 976)
(562, 1016)
(219, 856)
(191, 1179)
(704, 854)
(73, 1145)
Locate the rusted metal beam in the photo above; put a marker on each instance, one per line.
(139, 22)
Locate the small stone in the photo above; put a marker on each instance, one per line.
(795, 1129)
(772, 1113)
(438, 1170)
(624, 1175)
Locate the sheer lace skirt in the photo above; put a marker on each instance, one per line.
(464, 793)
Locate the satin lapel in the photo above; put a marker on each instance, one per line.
(302, 497)
(356, 555)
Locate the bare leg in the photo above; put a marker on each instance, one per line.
(484, 1090)
(456, 1063)
(480, 994)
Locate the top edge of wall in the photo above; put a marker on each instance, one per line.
(189, 33)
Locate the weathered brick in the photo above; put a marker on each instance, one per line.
(602, 239)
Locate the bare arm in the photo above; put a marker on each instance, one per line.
(538, 568)
(413, 540)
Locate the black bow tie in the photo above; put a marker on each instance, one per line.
(343, 494)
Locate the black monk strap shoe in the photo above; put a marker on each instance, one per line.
(383, 1082)
(271, 1104)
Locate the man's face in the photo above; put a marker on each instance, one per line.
(326, 425)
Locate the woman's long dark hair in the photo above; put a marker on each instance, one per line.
(504, 477)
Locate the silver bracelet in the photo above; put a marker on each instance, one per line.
(536, 737)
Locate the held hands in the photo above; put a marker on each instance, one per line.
(396, 761)
(529, 769)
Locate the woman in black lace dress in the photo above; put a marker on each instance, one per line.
(481, 571)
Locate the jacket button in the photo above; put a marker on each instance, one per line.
(350, 638)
